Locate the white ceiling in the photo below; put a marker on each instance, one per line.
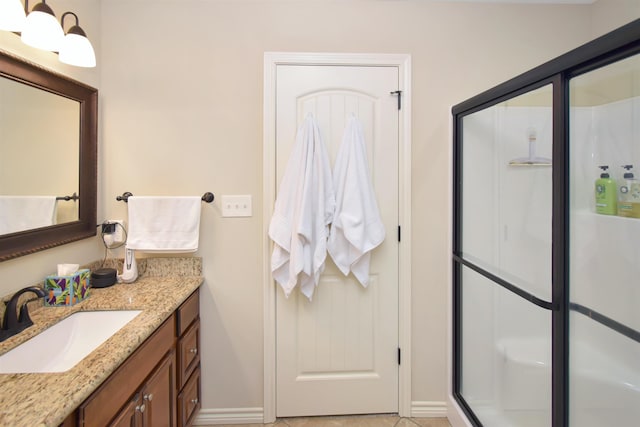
(524, 1)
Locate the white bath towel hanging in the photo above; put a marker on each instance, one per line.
(164, 224)
(303, 211)
(19, 213)
(357, 227)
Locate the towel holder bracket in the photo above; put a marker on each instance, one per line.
(125, 197)
(73, 197)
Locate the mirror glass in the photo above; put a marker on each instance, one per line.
(48, 158)
(39, 154)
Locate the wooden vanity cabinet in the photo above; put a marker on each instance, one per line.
(158, 385)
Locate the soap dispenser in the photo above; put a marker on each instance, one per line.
(629, 195)
(130, 267)
(606, 200)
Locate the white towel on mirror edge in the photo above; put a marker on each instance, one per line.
(303, 211)
(357, 227)
(20, 213)
(164, 224)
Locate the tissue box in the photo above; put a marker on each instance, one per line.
(67, 290)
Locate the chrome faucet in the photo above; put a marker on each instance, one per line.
(13, 324)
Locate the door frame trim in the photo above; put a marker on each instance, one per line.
(403, 63)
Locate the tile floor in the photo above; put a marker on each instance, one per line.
(352, 421)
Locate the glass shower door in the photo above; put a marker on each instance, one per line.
(604, 342)
(504, 253)
(546, 259)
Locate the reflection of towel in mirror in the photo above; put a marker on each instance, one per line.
(19, 213)
(357, 227)
(303, 211)
(164, 224)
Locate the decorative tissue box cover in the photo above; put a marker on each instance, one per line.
(67, 290)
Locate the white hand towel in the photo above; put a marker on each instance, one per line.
(357, 227)
(303, 211)
(19, 213)
(164, 224)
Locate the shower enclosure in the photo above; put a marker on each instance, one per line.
(546, 290)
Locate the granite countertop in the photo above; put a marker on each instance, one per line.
(46, 399)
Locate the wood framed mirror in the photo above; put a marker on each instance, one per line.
(48, 149)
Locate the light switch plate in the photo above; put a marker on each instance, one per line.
(236, 206)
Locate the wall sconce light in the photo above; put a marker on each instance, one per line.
(41, 29)
(76, 48)
(12, 15)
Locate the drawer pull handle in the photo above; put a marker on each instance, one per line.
(193, 350)
(148, 397)
(194, 401)
(140, 408)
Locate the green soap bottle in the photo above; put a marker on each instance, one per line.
(606, 197)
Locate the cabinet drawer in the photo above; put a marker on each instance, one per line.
(188, 312)
(188, 352)
(189, 400)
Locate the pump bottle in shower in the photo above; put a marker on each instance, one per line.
(629, 195)
(606, 200)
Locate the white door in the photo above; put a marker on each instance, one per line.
(338, 354)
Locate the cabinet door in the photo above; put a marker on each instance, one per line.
(158, 395)
(130, 415)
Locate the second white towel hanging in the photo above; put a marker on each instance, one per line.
(357, 227)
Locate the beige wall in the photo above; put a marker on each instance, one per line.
(607, 15)
(181, 113)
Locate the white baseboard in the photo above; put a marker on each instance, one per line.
(229, 416)
(419, 409)
(422, 409)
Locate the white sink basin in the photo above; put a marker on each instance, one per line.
(60, 347)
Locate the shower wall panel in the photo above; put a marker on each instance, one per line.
(606, 134)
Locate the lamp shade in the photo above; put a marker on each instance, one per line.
(76, 49)
(12, 15)
(42, 29)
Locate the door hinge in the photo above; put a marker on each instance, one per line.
(399, 355)
(399, 234)
(398, 93)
